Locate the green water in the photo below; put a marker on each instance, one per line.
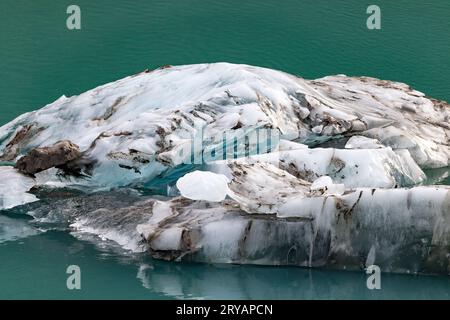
(36, 266)
(41, 60)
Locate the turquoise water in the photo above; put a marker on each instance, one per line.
(41, 60)
(35, 267)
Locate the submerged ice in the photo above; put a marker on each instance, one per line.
(339, 186)
(14, 188)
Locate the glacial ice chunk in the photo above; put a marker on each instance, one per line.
(325, 185)
(361, 142)
(14, 188)
(285, 206)
(286, 145)
(321, 183)
(203, 185)
(377, 168)
(263, 188)
(13, 229)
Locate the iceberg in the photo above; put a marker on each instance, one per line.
(260, 166)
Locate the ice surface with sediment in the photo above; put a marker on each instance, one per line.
(136, 128)
(377, 168)
(334, 192)
(402, 230)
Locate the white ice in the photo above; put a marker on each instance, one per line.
(326, 186)
(360, 142)
(14, 188)
(378, 168)
(203, 185)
